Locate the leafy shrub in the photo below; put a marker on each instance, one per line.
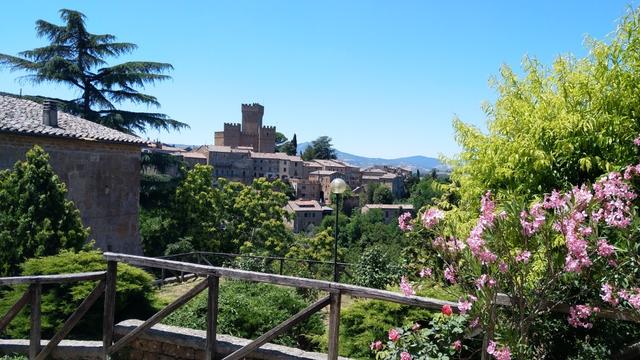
(248, 310)
(134, 297)
(40, 220)
(377, 268)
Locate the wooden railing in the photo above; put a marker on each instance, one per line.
(212, 275)
(33, 297)
(210, 258)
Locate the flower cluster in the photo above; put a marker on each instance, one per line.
(404, 222)
(486, 221)
(406, 287)
(465, 305)
(615, 197)
(432, 217)
(498, 353)
(609, 295)
(450, 245)
(580, 314)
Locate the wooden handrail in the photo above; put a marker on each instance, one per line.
(53, 279)
(328, 286)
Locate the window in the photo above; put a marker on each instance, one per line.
(305, 214)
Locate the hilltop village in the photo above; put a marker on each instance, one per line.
(246, 151)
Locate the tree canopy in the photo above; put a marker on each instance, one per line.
(77, 58)
(558, 125)
(320, 148)
(36, 219)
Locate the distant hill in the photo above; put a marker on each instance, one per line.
(417, 162)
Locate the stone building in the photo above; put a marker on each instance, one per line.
(230, 163)
(99, 165)
(251, 133)
(306, 190)
(306, 213)
(393, 182)
(390, 212)
(276, 166)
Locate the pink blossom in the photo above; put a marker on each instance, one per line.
(502, 353)
(406, 287)
(607, 294)
(503, 267)
(394, 335)
(450, 274)
(431, 217)
(529, 228)
(523, 256)
(426, 272)
(579, 315)
(491, 347)
(636, 141)
(614, 196)
(623, 294)
(451, 245)
(376, 345)
(405, 356)
(554, 201)
(415, 326)
(483, 280)
(464, 306)
(404, 221)
(457, 345)
(634, 300)
(605, 249)
(474, 323)
(487, 257)
(487, 210)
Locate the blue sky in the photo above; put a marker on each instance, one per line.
(382, 78)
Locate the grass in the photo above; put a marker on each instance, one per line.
(170, 292)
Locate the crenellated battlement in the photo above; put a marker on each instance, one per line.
(232, 125)
(265, 127)
(255, 107)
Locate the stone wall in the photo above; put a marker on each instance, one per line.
(103, 180)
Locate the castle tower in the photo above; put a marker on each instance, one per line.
(252, 118)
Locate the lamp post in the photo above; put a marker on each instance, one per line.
(338, 186)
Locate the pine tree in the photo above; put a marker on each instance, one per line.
(293, 147)
(76, 58)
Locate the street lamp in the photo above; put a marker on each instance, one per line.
(338, 186)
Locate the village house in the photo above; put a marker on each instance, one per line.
(305, 213)
(390, 212)
(99, 165)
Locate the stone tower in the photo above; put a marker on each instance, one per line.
(250, 133)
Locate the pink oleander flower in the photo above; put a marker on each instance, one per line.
(406, 287)
(634, 300)
(538, 214)
(404, 221)
(502, 353)
(450, 274)
(623, 294)
(605, 249)
(474, 323)
(394, 335)
(405, 356)
(614, 196)
(523, 256)
(607, 294)
(503, 267)
(464, 306)
(555, 201)
(487, 210)
(446, 310)
(415, 327)
(579, 315)
(457, 345)
(426, 272)
(431, 217)
(636, 141)
(485, 280)
(376, 345)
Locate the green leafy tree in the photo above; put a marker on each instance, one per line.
(556, 126)
(320, 148)
(293, 147)
(77, 58)
(196, 209)
(36, 219)
(382, 195)
(426, 192)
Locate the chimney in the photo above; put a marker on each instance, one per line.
(50, 113)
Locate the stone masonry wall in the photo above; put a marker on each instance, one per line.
(103, 180)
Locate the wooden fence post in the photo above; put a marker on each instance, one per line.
(35, 333)
(334, 325)
(212, 317)
(109, 307)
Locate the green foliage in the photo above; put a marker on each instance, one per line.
(283, 145)
(248, 310)
(430, 341)
(556, 125)
(134, 298)
(377, 267)
(76, 58)
(320, 148)
(181, 246)
(196, 210)
(382, 195)
(36, 219)
(427, 191)
(365, 321)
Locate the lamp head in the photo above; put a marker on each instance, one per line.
(338, 186)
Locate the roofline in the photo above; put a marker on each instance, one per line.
(22, 133)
